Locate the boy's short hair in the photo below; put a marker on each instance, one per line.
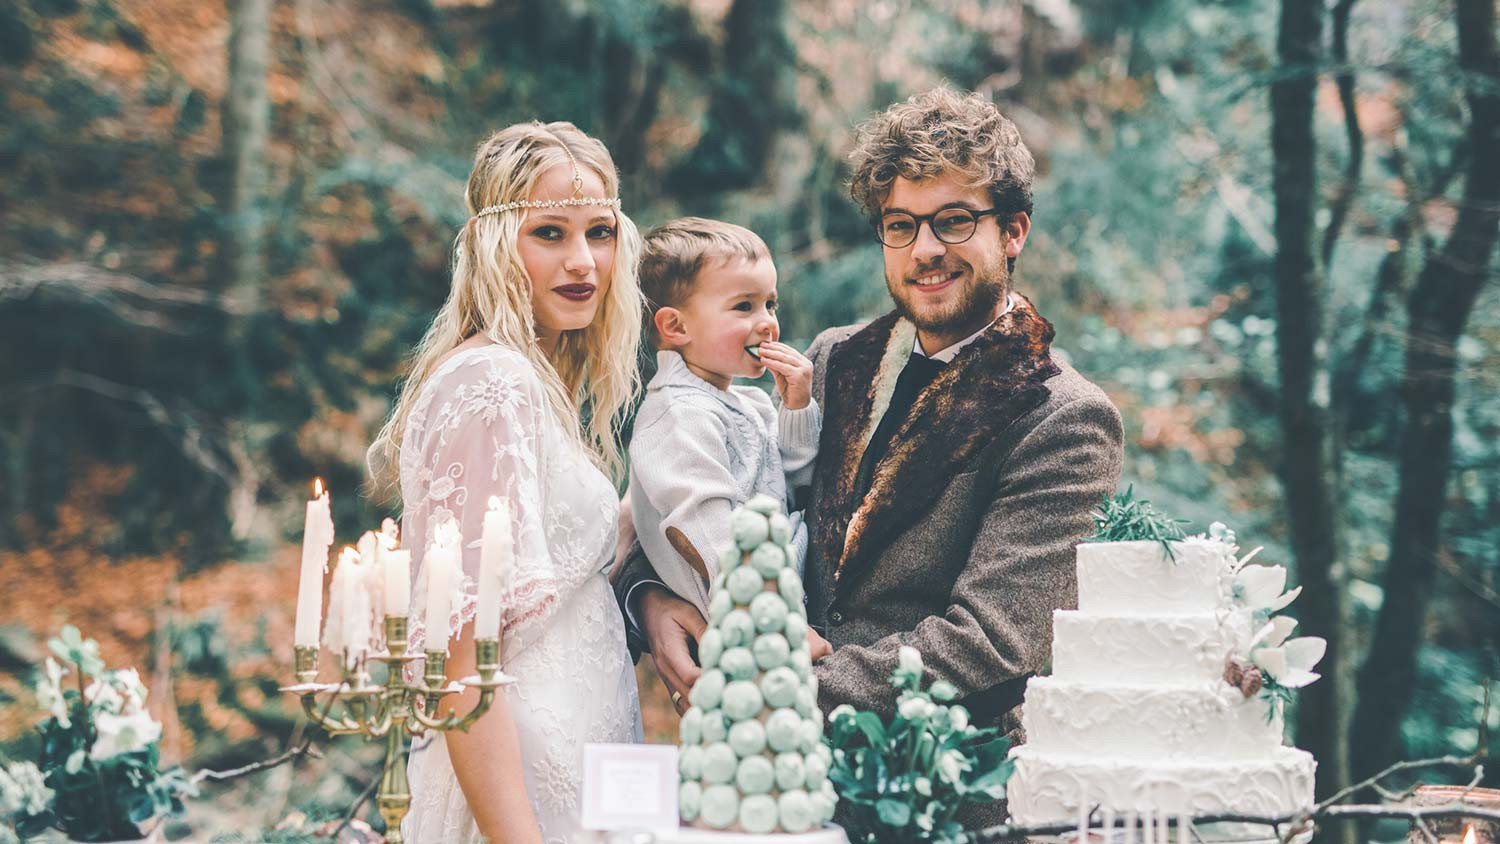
(675, 252)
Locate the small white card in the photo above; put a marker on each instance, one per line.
(630, 786)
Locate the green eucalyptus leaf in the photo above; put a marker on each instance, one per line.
(869, 724)
(893, 812)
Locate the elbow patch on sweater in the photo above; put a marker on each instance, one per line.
(689, 554)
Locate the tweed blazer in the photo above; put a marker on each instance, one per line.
(964, 543)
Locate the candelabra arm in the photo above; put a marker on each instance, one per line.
(454, 721)
(487, 655)
(335, 725)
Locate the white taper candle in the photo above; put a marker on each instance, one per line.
(349, 614)
(441, 562)
(317, 535)
(395, 567)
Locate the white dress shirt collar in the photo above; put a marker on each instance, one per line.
(947, 355)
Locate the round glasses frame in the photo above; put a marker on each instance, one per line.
(957, 226)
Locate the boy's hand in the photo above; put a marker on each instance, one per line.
(793, 373)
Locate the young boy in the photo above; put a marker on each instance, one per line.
(702, 447)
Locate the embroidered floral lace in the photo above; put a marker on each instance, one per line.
(481, 427)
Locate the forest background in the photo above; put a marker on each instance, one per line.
(1267, 232)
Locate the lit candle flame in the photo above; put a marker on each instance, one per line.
(1469, 835)
(317, 487)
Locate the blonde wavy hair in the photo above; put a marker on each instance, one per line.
(593, 369)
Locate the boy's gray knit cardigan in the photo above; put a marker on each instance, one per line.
(696, 453)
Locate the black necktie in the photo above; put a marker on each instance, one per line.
(920, 371)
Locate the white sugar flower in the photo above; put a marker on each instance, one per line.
(951, 765)
(1221, 532)
(915, 708)
(943, 690)
(910, 659)
(924, 820)
(923, 786)
(1260, 588)
(958, 717)
(123, 734)
(843, 710)
(49, 693)
(1289, 662)
(103, 697)
(128, 682)
(1273, 633)
(22, 787)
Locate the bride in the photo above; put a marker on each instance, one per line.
(543, 316)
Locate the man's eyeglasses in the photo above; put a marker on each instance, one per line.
(952, 226)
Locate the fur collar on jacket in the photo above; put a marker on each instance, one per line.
(992, 382)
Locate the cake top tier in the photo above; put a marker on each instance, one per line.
(1142, 577)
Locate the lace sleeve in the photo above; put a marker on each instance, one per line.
(484, 435)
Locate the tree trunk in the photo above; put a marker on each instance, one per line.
(1439, 309)
(247, 133)
(753, 99)
(1308, 467)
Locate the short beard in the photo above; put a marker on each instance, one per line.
(988, 286)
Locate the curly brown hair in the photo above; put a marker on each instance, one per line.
(941, 131)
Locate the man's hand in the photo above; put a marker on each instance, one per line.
(669, 621)
(818, 645)
(793, 373)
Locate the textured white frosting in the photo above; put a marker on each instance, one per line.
(1186, 650)
(1211, 721)
(1136, 715)
(1048, 787)
(1138, 578)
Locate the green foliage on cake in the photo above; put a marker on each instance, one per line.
(1124, 518)
(753, 757)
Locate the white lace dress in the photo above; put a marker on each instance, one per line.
(481, 427)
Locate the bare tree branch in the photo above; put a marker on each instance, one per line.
(303, 749)
(1344, 77)
(354, 808)
(129, 297)
(1397, 768)
(191, 438)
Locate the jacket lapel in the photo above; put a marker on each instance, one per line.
(992, 382)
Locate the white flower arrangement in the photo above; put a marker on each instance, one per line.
(99, 753)
(1286, 662)
(1262, 588)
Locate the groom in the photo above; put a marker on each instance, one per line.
(959, 460)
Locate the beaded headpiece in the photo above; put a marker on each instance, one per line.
(575, 200)
(548, 203)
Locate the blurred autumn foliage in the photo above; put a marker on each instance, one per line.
(222, 228)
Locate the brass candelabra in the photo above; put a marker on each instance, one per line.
(396, 709)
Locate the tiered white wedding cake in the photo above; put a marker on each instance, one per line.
(1166, 693)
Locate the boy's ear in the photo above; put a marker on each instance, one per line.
(670, 327)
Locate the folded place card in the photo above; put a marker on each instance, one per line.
(630, 786)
